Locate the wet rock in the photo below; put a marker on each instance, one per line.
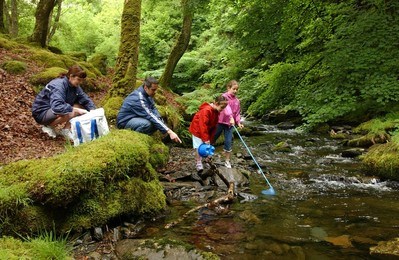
(94, 256)
(318, 233)
(342, 241)
(98, 233)
(249, 217)
(154, 250)
(247, 197)
(231, 175)
(386, 249)
(282, 147)
(353, 152)
(286, 125)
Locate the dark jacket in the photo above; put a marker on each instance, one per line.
(140, 104)
(204, 122)
(60, 96)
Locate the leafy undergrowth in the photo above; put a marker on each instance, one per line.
(20, 136)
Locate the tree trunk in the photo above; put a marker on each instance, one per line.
(54, 27)
(14, 19)
(180, 45)
(2, 17)
(127, 62)
(42, 15)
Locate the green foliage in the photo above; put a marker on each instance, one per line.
(14, 67)
(161, 23)
(279, 88)
(187, 72)
(90, 28)
(193, 100)
(46, 246)
(386, 124)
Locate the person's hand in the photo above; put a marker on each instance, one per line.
(80, 111)
(240, 125)
(173, 136)
(232, 122)
(208, 142)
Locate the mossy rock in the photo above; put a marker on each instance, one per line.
(111, 108)
(118, 168)
(46, 76)
(79, 55)
(282, 147)
(382, 160)
(133, 196)
(369, 140)
(171, 116)
(6, 43)
(100, 62)
(14, 67)
(49, 59)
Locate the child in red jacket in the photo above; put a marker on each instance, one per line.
(203, 125)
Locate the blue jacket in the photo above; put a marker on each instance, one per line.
(140, 104)
(60, 96)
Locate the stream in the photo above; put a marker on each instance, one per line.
(324, 207)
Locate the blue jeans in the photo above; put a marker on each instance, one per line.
(228, 136)
(141, 125)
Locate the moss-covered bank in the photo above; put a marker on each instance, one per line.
(85, 186)
(383, 160)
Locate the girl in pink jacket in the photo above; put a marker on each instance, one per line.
(229, 117)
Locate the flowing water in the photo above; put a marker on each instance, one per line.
(324, 207)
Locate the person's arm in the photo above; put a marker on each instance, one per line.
(84, 100)
(57, 100)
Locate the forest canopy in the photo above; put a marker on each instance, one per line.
(327, 60)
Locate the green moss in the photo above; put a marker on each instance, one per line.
(45, 76)
(171, 115)
(79, 55)
(48, 59)
(134, 196)
(13, 197)
(100, 62)
(159, 155)
(14, 67)
(111, 108)
(7, 44)
(44, 247)
(380, 125)
(383, 160)
(95, 181)
(369, 140)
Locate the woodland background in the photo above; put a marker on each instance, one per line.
(332, 61)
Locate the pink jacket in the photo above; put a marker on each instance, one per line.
(232, 110)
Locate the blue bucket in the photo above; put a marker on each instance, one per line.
(205, 150)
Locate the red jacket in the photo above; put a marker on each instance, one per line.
(204, 122)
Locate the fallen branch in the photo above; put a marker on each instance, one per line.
(229, 197)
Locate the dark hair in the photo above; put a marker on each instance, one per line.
(221, 100)
(75, 70)
(149, 81)
(231, 83)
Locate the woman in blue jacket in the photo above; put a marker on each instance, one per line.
(60, 100)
